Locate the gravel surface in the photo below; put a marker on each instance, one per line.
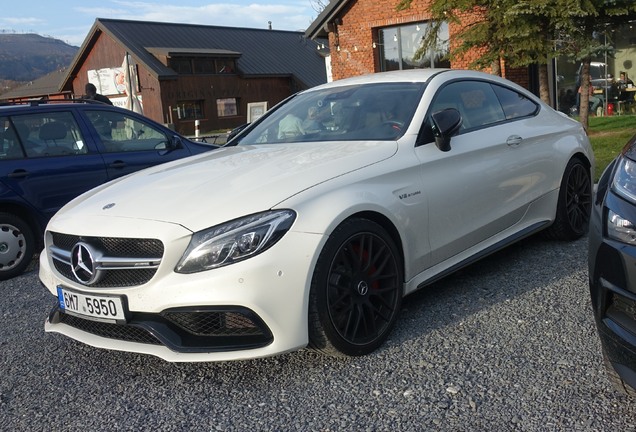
(508, 344)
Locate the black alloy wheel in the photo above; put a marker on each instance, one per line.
(356, 290)
(575, 203)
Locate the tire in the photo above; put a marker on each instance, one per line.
(17, 245)
(356, 290)
(616, 380)
(574, 204)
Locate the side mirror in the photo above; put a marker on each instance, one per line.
(174, 143)
(446, 123)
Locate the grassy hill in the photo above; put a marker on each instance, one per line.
(25, 57)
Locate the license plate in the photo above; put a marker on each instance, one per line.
(95, 307)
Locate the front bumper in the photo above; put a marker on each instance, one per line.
(613, 289)
(250, 309)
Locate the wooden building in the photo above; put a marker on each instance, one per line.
(221, 76)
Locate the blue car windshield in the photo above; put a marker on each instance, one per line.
(380, 111)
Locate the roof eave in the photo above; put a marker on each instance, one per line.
(319, 27)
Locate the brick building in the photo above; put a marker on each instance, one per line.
(367, 36)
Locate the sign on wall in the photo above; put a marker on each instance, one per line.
(109, 81)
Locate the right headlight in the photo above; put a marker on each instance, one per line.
(621, 229)
(624, 181)
(624, 185)
(234, 241)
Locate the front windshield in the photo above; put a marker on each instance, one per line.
(379, 111)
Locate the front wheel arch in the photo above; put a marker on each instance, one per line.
(574, 203)
(344, 320)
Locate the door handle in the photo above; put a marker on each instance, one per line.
(20, 173)
(118, 164)
(514, 140)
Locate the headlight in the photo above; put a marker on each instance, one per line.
(621, 229)
(624, 181)
(234, 241)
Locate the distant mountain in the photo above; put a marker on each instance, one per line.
(25, 57)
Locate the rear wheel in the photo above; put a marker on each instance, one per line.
(356, 290)
(17, 245)
(575, 203)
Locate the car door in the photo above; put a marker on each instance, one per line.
(46, 161)
(483, 185)
(129, 143)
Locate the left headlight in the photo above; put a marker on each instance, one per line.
(235, 241)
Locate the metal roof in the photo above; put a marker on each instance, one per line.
(262, 52)
(44, 86)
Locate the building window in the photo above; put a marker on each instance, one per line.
(400, 48)
(227, 107)
(612, 71)
(202, 65)
(190, 110)
(225, 66)
(182, 66)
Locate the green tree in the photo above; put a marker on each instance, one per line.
(525, 32)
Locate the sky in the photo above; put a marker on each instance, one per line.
(71, 20)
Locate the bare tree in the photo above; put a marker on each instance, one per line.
(319, 5)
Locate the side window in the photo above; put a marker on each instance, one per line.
(475, 100)
(515, 105)
(45, 134)
(122, 133)
(478, 103)
(10, 147)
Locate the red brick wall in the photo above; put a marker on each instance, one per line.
(355, 36)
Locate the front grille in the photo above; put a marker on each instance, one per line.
(111, 331)
(113, 247)
(113, 278)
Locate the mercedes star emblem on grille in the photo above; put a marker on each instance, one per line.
(82, 264)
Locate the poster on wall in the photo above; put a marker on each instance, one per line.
(122, 102)
(109, 81)
(255, 110)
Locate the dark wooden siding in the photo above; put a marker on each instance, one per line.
(160, 97)
(209, 88)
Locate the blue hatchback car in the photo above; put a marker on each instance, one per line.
(52, 152)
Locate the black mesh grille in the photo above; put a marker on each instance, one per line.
(624, 305)
(113, 247)
(111, 331)
(216, 323)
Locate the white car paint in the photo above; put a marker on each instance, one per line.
(496, 185)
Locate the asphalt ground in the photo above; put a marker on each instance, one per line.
(508, 344)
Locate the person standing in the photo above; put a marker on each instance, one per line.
(91, 93)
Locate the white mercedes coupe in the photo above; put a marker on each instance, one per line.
(309, 227)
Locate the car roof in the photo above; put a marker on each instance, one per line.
(422, 76)
(47, 104)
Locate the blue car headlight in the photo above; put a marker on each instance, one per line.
(235, 241)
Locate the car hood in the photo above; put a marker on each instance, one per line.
(204, 190)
